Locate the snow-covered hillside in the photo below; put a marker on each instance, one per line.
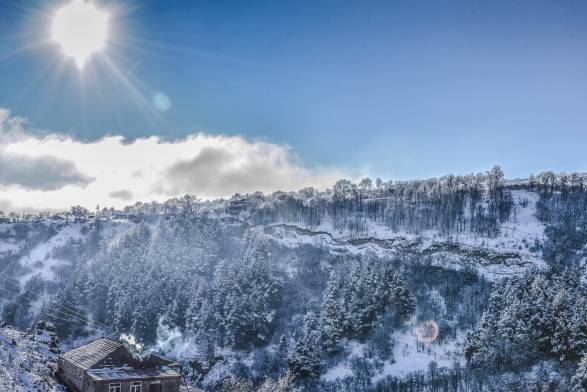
(408, 356)
(516, 248)
(42, 248)
(37, 249)
(188, 271)
(28, 361)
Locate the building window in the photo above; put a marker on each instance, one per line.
(114, 387)
(135, 386)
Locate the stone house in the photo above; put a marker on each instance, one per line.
(106, 365)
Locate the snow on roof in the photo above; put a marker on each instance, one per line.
(187, 388)
(120, 364)
(89, 355)
(126, 372)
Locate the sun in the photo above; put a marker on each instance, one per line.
(80, 29)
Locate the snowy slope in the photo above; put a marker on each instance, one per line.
(512, 251)
(40, 259)
(28, 362)
(35, 246)
(407, 357)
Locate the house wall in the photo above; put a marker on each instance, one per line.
(71, 375)
(89, 385)
(166, 386)
(170, 386)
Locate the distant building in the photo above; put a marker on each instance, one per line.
(120, 214)
(106, 365)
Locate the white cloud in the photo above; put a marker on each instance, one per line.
(115, 172)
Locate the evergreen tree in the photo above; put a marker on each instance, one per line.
(332, 316)
(562, 335)
(579, 380)
(579, 327)
(304, 360)
(70, 317)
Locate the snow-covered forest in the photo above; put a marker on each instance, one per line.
(468, 283)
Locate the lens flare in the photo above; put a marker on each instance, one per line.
(428, 332)
(161, 102)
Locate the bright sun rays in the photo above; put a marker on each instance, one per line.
(81, 30)
(101, 41)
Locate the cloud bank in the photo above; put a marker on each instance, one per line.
(50, 170)
(39, 173)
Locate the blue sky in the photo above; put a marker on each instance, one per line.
(398, 89)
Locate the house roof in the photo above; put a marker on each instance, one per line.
(126, 372)
(183, 388)
(89, 355)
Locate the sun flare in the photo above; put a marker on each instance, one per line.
(81, 30)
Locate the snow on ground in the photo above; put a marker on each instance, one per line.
(9, 244)
(340, 371)
(343, 369)
(517, 234)
(40, 259)
(491, 263)
(373, 229)
(526, 221)
(491, 271)
(293, 236)
(114, 230)
(407, 357)
(26, 363)
(511, 252)
(522, 226)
